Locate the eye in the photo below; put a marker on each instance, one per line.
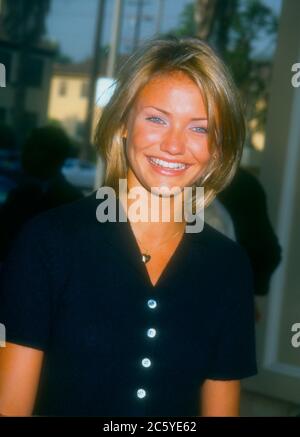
(156, 120)
(200, 130)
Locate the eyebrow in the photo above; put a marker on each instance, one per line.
(168, 113)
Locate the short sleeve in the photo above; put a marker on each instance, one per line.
(25, 289)
(234, 352)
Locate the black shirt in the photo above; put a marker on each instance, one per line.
(77, 289)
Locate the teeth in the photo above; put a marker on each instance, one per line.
(166, 164)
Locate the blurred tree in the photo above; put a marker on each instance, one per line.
(187, 23)
(234, 28)
(24, 23)
(251, 21)
(203, 16)
(62, 58)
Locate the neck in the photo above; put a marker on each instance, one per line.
(145, 227)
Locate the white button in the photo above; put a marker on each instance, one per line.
(146, 362)
(141, 393)
(152, 303)
(151, 332)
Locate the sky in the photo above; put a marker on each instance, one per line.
(71, 23)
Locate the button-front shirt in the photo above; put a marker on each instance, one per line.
(115, 345)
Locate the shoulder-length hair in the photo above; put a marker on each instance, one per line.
(226, 125)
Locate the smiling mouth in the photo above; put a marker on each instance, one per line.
(176, 166)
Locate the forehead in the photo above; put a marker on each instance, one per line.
(173, 88)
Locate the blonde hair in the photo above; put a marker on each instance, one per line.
(226, 125)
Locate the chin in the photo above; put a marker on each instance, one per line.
(163, 189)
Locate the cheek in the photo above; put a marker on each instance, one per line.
(143, 135)
(200, 151)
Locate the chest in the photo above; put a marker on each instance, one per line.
(158, 263)
(105, 312)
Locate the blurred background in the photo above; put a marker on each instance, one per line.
(58, 60)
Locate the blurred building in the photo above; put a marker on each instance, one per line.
(68, 99)
(36, 78)
(37, 82)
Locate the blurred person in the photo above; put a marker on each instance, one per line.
(42, 185)
(246, 202)
(240, 212)
(137, 317)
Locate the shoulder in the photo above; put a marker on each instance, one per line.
(221, 246)
(52, 244)
(226, 263)
(65, 221)
(54, 236)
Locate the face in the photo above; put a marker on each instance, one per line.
(167, 139)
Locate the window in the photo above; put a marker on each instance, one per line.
(84, 89)
(62, 88)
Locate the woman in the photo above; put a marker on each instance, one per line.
(137, 317)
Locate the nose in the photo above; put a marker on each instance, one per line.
(173, 142)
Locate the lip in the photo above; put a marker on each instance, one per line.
(167, 171)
